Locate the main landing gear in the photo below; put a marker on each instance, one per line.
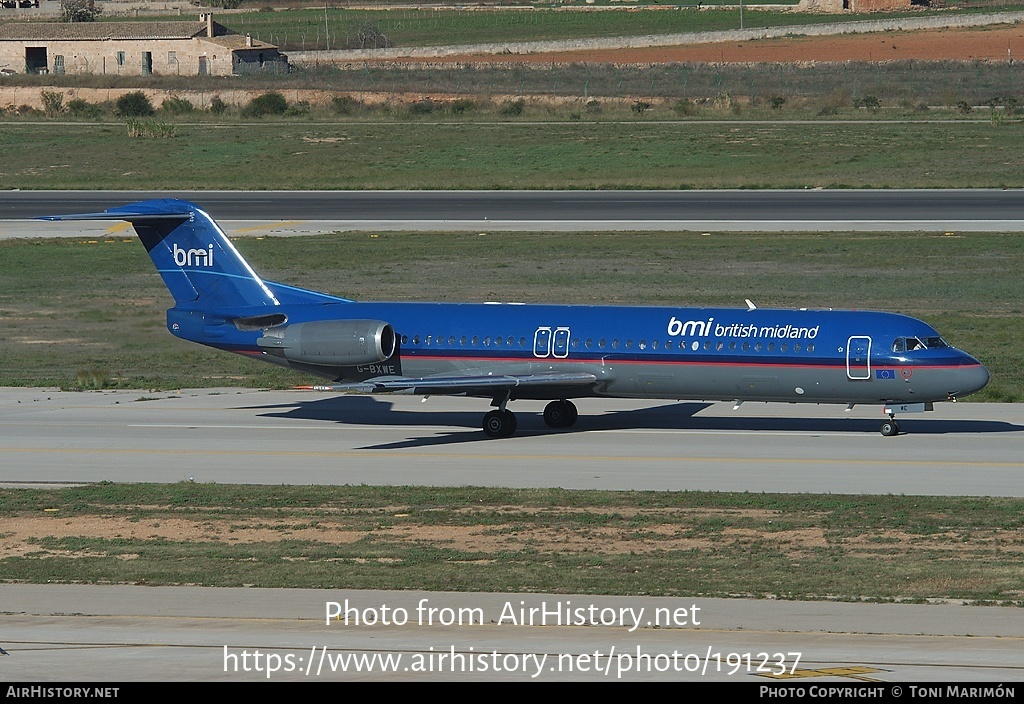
(501, 423)
(560, 414)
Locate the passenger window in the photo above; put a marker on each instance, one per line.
(602, 343)
(590, 343)
(796, 346)
(746, 346)
(654, 344)
(720, 346)
(810, 346)
(629, 344)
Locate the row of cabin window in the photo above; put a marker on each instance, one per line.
(510, 341)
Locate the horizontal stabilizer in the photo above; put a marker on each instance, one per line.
(165, 209)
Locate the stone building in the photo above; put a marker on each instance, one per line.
(135, 49)
(858, 5)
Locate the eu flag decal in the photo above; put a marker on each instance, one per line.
(885, 373)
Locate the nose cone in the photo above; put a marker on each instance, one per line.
(971, 378)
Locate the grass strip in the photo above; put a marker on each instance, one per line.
(886, 548)
(419, 154)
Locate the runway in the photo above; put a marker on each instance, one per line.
(283, 213)
(304, 437)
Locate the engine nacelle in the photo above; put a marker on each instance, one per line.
(335, 343)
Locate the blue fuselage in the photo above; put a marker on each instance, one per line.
(817, 356)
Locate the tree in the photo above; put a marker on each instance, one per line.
(79, 10)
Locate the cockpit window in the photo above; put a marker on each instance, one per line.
(909, 344)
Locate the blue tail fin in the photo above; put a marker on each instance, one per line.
(197, 261)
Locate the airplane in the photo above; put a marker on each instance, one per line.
(511, 351)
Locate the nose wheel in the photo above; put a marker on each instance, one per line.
(560, 414)
(890, 428)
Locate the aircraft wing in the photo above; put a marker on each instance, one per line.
(464, 384)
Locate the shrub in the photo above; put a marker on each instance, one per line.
(684, 107)
(92, 379)
(964, 107)
(301, 107)
(868, 101)
(593, 107)
(344, 105)
(266, 104)
(134, 104)
(421, 107)
(218, 106)
(177, 106)
(53, 103)
(150, 129)
(462, 105)
(777, 101)
(513, 108)
(639, 107)
(81, 108)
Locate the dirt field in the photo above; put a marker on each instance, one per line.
(999, 43)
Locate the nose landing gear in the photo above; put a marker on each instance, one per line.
(890, 428)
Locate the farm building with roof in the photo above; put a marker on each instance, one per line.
(135, 49)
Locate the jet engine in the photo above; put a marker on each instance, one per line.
(335, 343)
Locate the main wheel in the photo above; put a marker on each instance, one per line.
(513, 424)
(890, 428)
(560, 414)
(499, 424)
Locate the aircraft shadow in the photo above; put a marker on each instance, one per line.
(367, 410)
